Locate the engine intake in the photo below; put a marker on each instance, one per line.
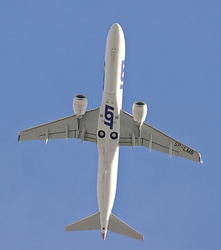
(79, 105)
(139, 111)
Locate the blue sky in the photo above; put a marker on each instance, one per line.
(52, 50)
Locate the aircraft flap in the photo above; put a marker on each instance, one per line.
(152, 138)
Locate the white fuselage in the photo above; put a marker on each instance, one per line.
(109, 123)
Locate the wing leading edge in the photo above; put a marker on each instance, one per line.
(68, 127)
(153, 139)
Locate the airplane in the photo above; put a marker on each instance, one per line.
(109, 127)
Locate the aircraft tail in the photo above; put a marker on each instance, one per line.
(116, 225)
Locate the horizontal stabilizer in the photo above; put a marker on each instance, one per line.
(118, 226)
(91, 222)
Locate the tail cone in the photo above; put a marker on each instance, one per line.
(104, 235)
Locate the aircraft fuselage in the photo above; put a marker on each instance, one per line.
(109, 124)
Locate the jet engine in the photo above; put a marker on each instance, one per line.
(139, 111)
(79, 105)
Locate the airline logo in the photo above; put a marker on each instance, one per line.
(109, 116)
(108, 121)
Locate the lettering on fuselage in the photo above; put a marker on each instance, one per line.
(109, 116)
(122, 73)
(185, 149)
(108, 121)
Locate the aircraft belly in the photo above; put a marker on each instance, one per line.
(108, 129)
(108, 151)
(107, 182)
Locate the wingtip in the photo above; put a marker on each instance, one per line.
(200, 159)
(141, 237)
(19, 137)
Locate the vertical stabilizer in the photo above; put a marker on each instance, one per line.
(118, 226)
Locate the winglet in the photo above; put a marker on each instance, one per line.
(19, 137)
(200, 159)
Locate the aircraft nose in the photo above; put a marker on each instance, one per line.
(116, 26)
(116, 30)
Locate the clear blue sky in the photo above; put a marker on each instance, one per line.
(52, 50)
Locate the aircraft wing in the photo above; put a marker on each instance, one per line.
(68, 127)
(153, 139)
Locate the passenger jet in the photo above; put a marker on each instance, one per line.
(109, 127)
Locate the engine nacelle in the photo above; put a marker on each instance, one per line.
(79, 105)
(139, 112)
